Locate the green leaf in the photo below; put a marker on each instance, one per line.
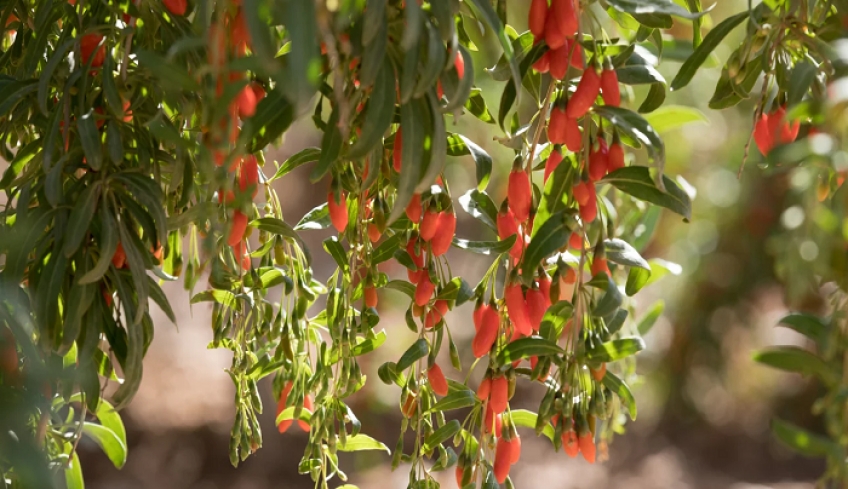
(615, 384)
(412, 122)
(527, 419)
(636, 127)
(317, 218)
(402, 286)
(80, 219)
(528, 347)
(654, 99)
(615, 350)
(170, 76)
(553, 322)
(434, 64)
(306, 155)
(378, 112)
(441, 435)
(476, 104)
(303, 61)
(374, 17)
(647, 7)
(160, 299)
(804, 442)
(331, 148)
(485, 247)
(335, 249)
(90, 139)
(637, 181)
(551, 236)
(417, 351)
(702, 52)
(620, 251)
(359, 443)
(46, 75)
(73, 473)
(484, 11)
(672, 117)
(438, 146)
(639, 75)
(386, 250)
(794, 359)
(274, 115)
(459, 145)
(803, 74)
(108, 440)
(521, 46)
(808, 325)
(279, 227)
(650, 318)
(480, 206)
(610, 301)
(107, 244)
(457, 399)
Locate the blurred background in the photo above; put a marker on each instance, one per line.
(704, 405)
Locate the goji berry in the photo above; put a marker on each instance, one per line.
(338, 211)
(615, 157)
(429, 224)
(499, 397)
(520, 194)
(557, 126)
(88, 44)
(564, 14)
(762, 134)
(517, 308)
(599, 373)
(284, 425)
(610, 91)
(437, 380)
(424, 290)
(503, 459)
(176, 7)
(553, 162)
(585, 95)
(370, 296)
(413, 209)
(586, 442)
(246, 102)
(598, 161)
(536, 307)
(589, 212)
(237, 228)
(488, 332)
(537, 16)
(570, 443)
(445, 231)
(119, 258)
(599, 264)
(543, 64)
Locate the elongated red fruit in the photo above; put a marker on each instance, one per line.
(570, 443)
(417, 259)
(374, 233)
(615, 157)
(583, 192)
(119, 259)
(478, 315)
(554, 37)
(517, 308)
(520, 194)
(573, 136)
(396, 151)
(557, 126)
(762, 135)
(176, 7)
(564, 13)
(281, 406)
(436, 314)
(459, 64)
(543, 64)
(459, 472)
(516, 449)
(488, 332)
(338, 211)
(598, 161)
(413, 209)
(424, 290)
(610, 91)
(599, 264)
(248, 175)
(558, 62)
(553, 162)
(492, 422)
(781, 130)
(576, 50)
(88, 44)
(429, 224)
(599, 373)
(537, 16)
(545, 286)
(503, 459)
(585, 94)
(237, 228)
(587, 446)
(499, 397)
(484, 389)
(441, 242)
(307, 406)
(507, 226)
(536, 307)
(246, 102)
(370, 296)
(258, 91)
(589, 212)
(437, 380)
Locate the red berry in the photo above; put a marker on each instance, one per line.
(554, 37)
(599, 264)
(248, 174)
(424, 290)
(484, 389)
(558, 62)
(762, 135)
(499, 397)
(573, 137)
(552, 162)
(258, 91)
(537, 16)
(516, 449)
(557, 126)
(570, 443)
(417, 258)
(88, 44)
(459, 472)
(589, 212)
(459, 64)
(587, 446)
(429, 224)
(370, 296)
(374, 233)
(517, 308)
(237, 228)
(413, 209)
(536, 307)
(437, 380)
(543, 64)
(598, 161)
(585, 94)
(488, 332)
(520, 194)
(503, 459)
(246, 102)
(338, 211)
(615, 157)
(446, 229)
(598, 374)
(564, 13)
(610, 91)
(436, 314)
(176, 7)
(576, 50)
(119, 259)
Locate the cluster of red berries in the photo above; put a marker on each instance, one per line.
(773, 129)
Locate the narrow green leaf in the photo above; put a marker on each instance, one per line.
(620, 251)
(552, 235)
(360, 442)
(317, 218)
(170, 76)
(441, 435)
(639, 75)
(73, 473)
(635, 126)
(331, 148)
(804, 442)
(645, 7)
(484, 11)
(808, 325)
(528, 347)
(414, 133)
(527, 419)
(90, 139)
(107, 244)
(615, 384)
(378, 112)
(108, 441)
(672, 117)
(637, 181)
(335, 250)
(702, 52)
(46, 76)
(417, 351)
(485, 247)
(80, 219)
(457, 399)
(614, 350)
(459, 145)
(650, 318)
(306, 155)
(794, 359)
(480, 206)
(554, 195)
(438, 146)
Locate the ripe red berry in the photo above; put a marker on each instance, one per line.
(503, 459)
(281, 406)
(558, 62)
(396, 151)
(459, 64)
(576, 50)
(599, 373)
(176, 7)
(553, 162)
(370, 294)
(557, 125)
(413, 209)
(543, 64)
(598, 161)
(584, 192)
(516, 449)
(537, 17)
(237, 228)
(374, 233)
(88, 44)
(459, 472)
(517, 308)
(564, 13)
(589, 212)
(441, 242)
(573, 136)
(599, 264)
(424, 290)
(586, 442)
(615, 157)
(488, 332)
(499, 397)
(258, 91)
(478, 315)
(338, 211)
(248, 174)
(429, 224)
(520, 194)
(554, 37)
(570, 443)
(536, 307)
(762, 135)
(436, 314)
(585, 95)
(119, 259)
(246, 102)
(437, 380)
(484, 389)
(610, 91)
